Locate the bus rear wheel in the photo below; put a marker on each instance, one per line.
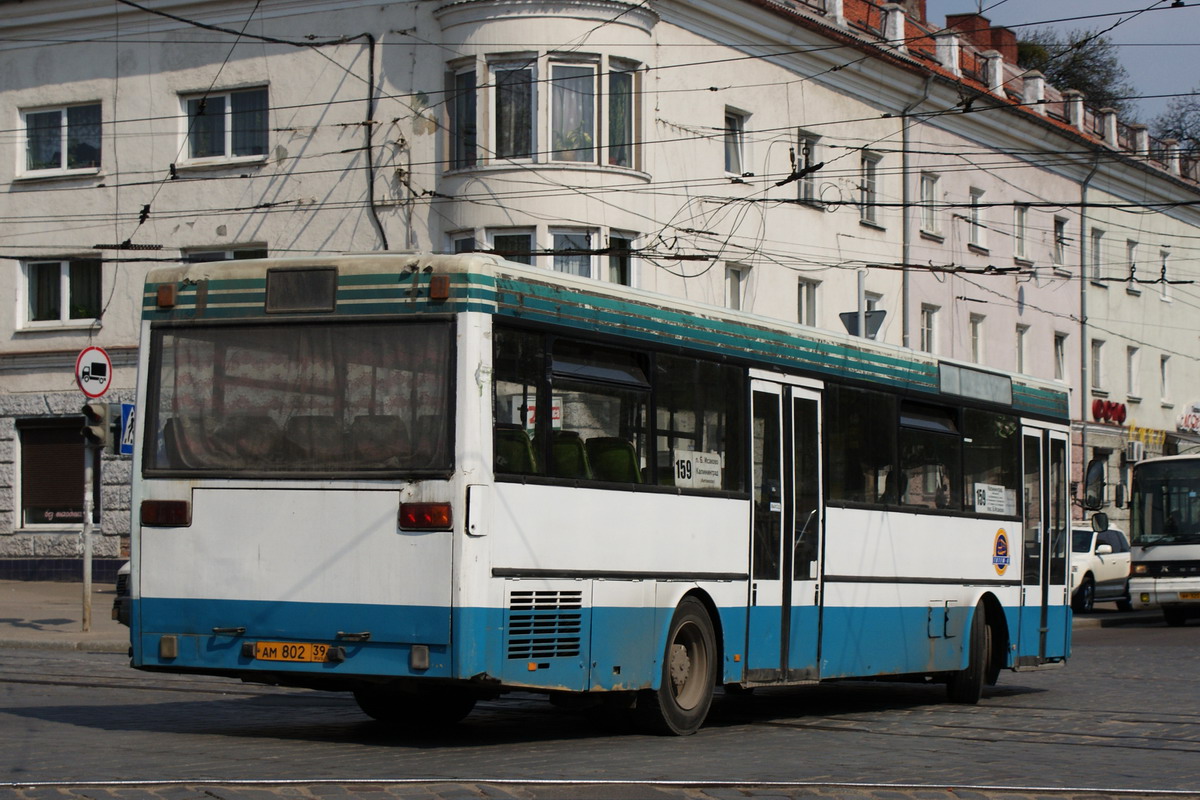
(432, 708)
(681, 703)
(966, 686)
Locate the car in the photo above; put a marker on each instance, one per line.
(1100, 563)
(120, 609)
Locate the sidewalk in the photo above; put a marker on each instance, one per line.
(49, 615)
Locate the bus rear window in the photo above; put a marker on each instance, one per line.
(311, 400)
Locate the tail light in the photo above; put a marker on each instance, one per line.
(166, 513)
(425, 517)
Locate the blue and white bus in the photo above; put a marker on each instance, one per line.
(431, 479)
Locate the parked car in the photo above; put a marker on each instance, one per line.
(120, 609)
(1100, 562)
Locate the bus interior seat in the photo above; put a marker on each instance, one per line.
(183, 440)
(253, 436)
(613, 459)
(568, 456)
(379, 438)
(317, 436)
(513, 451)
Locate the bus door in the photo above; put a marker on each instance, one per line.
(787, 521)
(1043, 633)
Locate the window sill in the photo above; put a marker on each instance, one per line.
(56, 175)
(524, 165)
(1132, 290)
(52, 326)
(1098, 284)
(933, 237)
(1062, 272)
(60, 529)
(202, 164)
(1162, 299)
(978, 249)
(1021, 261)
(1167, 404)
(1132, 400)
(872, 224)
(1099, 392)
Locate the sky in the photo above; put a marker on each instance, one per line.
(1160, 49)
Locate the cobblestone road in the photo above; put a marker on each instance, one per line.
(1122, 717)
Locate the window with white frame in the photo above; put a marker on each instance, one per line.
(806, 301)
(1021, 232)
(514, 245)
(572, 252)
(1164, 375)
(62, 139)
(1060, 356)
(1059, 250)
(589, 109)
(228, 254)
(464, 133)
(871, 300)
(573, 112)
(514, 110)
(1096, 254)
(1022, 347)
(868, 188)
(61, 292)
(227, 124)
(620, 258)
(928, 343)
(807, 145)
(977, 235)
(735, 285)
(622, 113)
(1131, 253)
(975, 326)
(1131, 372)
(1164, 285)
(735, 142)
(1097, 364)
(929, 201)
(463, 242)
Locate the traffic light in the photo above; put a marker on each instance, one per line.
(97, 429)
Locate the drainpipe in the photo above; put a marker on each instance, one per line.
(906, 215)
(1084, 242)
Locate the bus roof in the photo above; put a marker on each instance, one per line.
(394, 283)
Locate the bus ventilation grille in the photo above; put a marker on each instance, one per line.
(544, 624)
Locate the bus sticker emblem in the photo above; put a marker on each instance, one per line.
(1000, 559)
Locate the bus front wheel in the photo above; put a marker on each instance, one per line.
(680, 704)
(966, 686)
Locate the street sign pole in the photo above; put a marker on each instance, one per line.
(88, 501)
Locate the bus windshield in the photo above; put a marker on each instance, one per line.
(1166, 503)
(300, 399)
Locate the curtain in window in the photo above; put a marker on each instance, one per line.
(514, 113)
(573, 263)
(248, 111)
(573, 113)
(620, 119)
(43, 134)
(83, 137)
(85, 289)
(44, 291)
(206, 127)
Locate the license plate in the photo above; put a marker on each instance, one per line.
(1189, 595)
(290, 651)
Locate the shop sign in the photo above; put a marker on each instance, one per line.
(1108, 411)
(1189, 420)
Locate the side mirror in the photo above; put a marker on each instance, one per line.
(1099, 522)
(1104, 549)
(1093, 484)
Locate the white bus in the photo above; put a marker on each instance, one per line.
(1164, 521)
(431, 479)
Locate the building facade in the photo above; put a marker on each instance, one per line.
(800, 159)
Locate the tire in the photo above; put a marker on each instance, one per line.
(1175, 617)
(1124, 604)
(432, 708)
(1085, 596)
(689, 674)
(966, 686)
